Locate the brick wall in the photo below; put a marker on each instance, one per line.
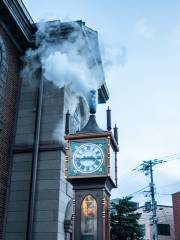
(176, 210)
(8, 119)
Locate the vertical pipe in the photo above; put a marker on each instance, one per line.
(74, 216)
(67, 123)
(108, 111)
(116, 180)
(116, 133)
(35, 162)
(116, 138)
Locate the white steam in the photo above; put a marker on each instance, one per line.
(67, 70)
(65, 62)
(113, 55)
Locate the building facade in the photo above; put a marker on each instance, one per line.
(165, 223)
(15, 32)
(176, 211)
(35, 198)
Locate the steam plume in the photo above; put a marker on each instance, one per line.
(65, 62)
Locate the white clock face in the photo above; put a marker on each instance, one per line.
(88, 158)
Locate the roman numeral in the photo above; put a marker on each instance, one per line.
(88, 148)
(87, 168)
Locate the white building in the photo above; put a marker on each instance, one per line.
(165, 223)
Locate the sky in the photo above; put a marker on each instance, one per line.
(142, 40)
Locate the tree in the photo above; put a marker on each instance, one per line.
(124, 221)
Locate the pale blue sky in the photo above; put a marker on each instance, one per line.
(145, 90)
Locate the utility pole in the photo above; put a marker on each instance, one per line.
(153, 202)
(147, 168)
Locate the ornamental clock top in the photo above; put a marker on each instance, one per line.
(91, 153)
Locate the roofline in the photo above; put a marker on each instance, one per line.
(18, 22)
(175, 193)
(158, 206)
(27, 14)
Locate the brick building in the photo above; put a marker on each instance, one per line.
(16, 28)
(35, 199)
(176, 210)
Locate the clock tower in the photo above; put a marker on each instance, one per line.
(91, 168)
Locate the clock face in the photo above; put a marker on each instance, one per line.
(88, 158)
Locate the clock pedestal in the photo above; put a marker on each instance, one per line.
(91, 210)
(91, 169)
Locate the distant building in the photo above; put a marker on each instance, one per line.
(176, 210)
(165, 222)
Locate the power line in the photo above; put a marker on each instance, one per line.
(164, 194)
(145, 165)
(171, 156)
(173, 159)
(164, 159)
(172, 184)
(140, 190)
(169, 160)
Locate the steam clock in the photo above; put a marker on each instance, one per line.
(91, 167)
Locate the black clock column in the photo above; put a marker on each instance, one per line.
(90, 168)
(94, 225)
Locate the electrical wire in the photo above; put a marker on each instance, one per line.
(171, 156)
(166, 159)
(164, 194)
(172, 184)
(140, 190)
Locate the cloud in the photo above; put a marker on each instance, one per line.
(144, 29)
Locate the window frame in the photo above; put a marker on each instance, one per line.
(163, 231)
(93, 234)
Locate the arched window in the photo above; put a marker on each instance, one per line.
(89, 218)
(76, 120)
(68, 220)
(3, 74)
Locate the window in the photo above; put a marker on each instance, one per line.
(89, 218)
(75, 121)
(164, 229)
(79, 117)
